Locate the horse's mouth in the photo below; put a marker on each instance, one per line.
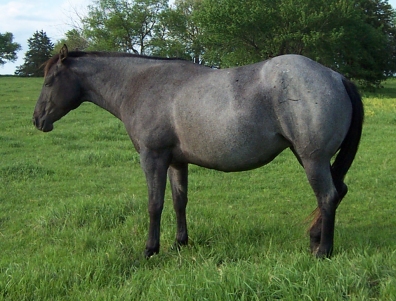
(43, 125)
(47, 127)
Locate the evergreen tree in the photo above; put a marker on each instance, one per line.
(40, 49)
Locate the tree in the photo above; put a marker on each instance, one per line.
(380, 15)
(8, 49)
(74, 40)
(177, 33)
(122, 25)
(354, 37)
(40, 49)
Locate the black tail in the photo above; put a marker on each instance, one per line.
(349, 146)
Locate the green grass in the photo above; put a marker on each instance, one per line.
(73, 217)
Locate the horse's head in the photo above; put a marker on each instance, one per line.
(61, 92)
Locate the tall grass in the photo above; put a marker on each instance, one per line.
(73, 217)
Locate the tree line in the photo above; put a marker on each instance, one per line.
(354, 37)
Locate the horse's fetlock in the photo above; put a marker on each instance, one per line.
(151, 251)
(322, 253)
(182, 241)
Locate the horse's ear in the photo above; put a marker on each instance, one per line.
(63, 53)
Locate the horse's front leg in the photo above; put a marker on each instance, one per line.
(155, 165)
(178, 177)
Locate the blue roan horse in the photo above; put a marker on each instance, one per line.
(177, 113)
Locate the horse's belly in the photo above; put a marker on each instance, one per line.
(232, 155)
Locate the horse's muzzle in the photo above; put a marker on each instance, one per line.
(42, 124)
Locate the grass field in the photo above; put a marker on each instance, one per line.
(73, 217)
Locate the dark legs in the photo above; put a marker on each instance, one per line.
(322, 230)
(178, 177)
(155, 165)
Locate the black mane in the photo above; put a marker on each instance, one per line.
(115, 54)
(75, 54)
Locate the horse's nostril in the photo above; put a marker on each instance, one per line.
(36, 121)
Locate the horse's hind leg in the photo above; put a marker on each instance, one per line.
(322, 231)
(178, 177)
(316, 226)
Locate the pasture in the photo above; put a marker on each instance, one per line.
(73, 217)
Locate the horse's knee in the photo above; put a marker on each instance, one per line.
(155, 210)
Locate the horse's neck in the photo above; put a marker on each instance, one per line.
(104, 84)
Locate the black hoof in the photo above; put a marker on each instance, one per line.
(150, 252)
(322, 254)
(178, 244)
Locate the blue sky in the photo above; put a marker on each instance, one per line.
(24, 17)
(55, 17)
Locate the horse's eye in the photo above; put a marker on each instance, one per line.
(48, 81)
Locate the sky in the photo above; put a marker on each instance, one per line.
(24, 17)
(55, 17)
